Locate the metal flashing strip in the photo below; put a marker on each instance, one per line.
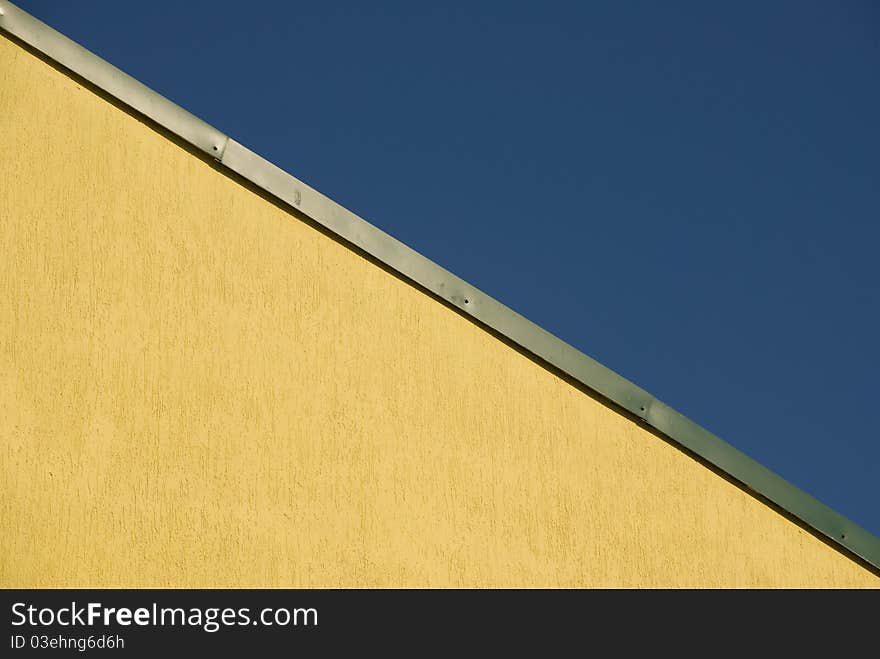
(108, 78)
(457, 292)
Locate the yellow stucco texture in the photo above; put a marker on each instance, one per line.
(198, 389)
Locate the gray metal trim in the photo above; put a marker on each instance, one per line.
(457, 292)
(108, 78)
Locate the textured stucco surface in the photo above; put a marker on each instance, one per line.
(197, 389)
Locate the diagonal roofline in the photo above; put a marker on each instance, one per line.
(344, 224)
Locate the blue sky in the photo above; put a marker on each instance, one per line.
(688, 192)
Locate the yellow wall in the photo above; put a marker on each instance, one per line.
(199, 389)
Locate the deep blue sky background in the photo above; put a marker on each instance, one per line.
(688, 192)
